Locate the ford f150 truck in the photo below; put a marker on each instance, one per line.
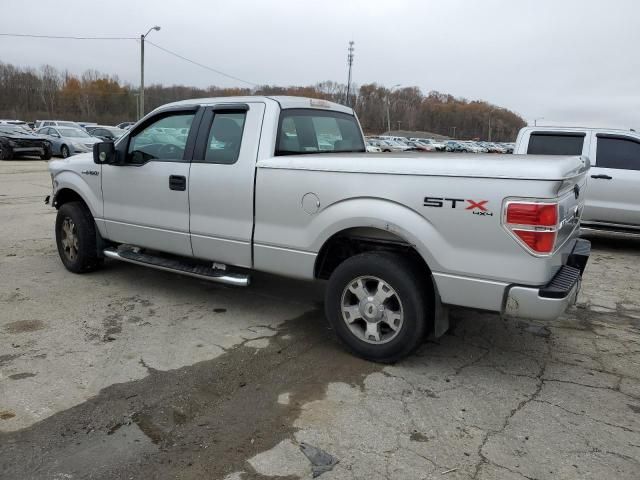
(216, 188)
(612, 202)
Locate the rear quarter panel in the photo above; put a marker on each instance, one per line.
(462, 241)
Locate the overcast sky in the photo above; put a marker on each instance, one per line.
(568, 61)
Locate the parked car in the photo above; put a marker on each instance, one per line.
(55, 123)
(389, 234)
(104, 132)
(125, 125)
(15, 141)
(453, 146)
(422, 147)
(612, 199)
(66, 141)
(372, 147)
(85, 125)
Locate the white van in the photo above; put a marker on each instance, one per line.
(612, 197)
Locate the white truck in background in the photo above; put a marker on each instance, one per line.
(215, 188)
(613, 185)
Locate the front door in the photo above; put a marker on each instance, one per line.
(146, 197)
(222, 182)
(612, 194)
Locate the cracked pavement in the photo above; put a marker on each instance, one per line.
(131, 373)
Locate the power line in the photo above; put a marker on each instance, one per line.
(206, 67)
(182, 57)
(63, 37)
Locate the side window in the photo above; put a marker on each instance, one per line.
(164, 140)
(618, 152)
(550, 143)
(303, 131)
(225, 138)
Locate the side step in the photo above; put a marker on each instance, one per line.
(202, 272)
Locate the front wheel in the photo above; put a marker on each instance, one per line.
(76, 238)
(64, 151)
(377, 304)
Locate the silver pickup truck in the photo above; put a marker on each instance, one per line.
(215, 188)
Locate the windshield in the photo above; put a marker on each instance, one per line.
(304, 131)
(12, 129)
(68, 124)
(73, 133)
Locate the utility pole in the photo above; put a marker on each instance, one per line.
(454, 132)
(142, 37)
(388, 114)
(535, 121)
(350, 63)
(399, 122)
(489, 139)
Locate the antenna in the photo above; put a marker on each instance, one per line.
(350, 63)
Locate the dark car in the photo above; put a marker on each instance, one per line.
(104, 132)
(15, 141)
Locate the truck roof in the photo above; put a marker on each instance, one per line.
(282, 100)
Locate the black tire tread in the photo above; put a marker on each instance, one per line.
(411, 284)
(87, 259)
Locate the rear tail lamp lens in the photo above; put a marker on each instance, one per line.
(534, 225)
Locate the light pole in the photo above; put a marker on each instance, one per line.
(489, 135)
(142, 37)
(535, 121)
(388, 114)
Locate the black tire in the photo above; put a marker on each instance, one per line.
(82, 256)
(64, 151)
(46, 155)
(411, 288)
(5, 152)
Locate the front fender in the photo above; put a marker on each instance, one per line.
(85, 186)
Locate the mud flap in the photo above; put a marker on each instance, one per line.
(440, 313)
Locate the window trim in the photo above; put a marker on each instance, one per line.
(310, 112)
(208, 115)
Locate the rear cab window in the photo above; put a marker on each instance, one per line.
(307, 131)
(556, 143)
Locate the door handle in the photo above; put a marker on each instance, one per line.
(601, 176)
(177, 182)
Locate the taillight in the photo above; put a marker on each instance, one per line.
(534, 225)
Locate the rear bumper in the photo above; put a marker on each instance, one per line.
(551, 300)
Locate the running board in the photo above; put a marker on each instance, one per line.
(176, 266)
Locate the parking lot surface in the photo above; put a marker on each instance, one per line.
(133, 373)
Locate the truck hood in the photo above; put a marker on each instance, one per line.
(520, 167)
(76, 164)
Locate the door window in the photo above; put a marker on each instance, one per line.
(551, 143)
(618, 152)
(162, 140)
(225, 138)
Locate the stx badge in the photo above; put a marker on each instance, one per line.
(477, 207)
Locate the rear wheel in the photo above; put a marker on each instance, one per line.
(76, 238)
(64, 151)
(377, 303)
(5, 152)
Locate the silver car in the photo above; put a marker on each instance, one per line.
(66, 141)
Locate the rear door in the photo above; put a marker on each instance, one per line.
(221, 186)
(614, 183)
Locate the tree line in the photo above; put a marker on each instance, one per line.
(29, 94)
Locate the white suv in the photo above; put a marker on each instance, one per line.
(612, 201)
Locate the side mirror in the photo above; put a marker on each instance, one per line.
(104, 153)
